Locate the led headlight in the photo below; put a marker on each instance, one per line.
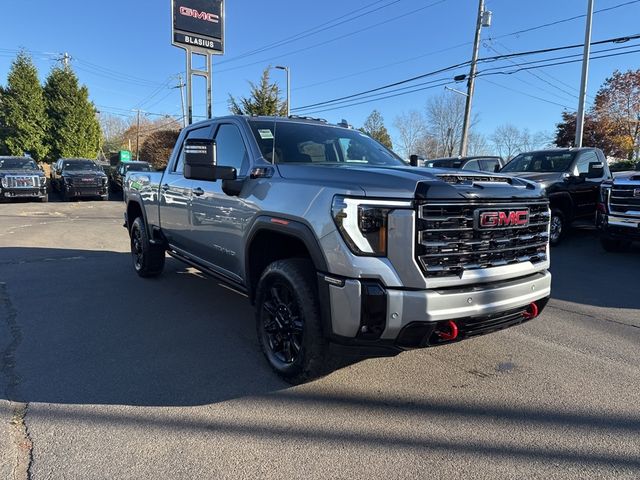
(363, 223)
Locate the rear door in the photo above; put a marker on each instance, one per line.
(175, 197)
(219, 220)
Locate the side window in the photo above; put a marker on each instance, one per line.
(203, 132)
(489, 164)
(472, 165)
(231, 150)
(582, 165)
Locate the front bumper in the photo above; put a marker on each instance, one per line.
(22, 193)
(366, 313)
(80, 191)
(620, 227)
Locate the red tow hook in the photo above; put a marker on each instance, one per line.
(452, 334)
(531, 311)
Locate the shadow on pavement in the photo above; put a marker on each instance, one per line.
(92, 332)
(584, 273)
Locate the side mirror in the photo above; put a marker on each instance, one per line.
(596, 170)
(496, 168)
(413, 160)
(200, 162)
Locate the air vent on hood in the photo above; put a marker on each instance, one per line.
(471, 179)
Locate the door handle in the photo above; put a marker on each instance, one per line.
(165, 187)
(198, 191)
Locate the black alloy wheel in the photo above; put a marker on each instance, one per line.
(283, 323)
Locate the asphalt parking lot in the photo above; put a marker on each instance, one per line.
(106, 375)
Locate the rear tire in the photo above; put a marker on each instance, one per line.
(148, 259)
(288, 321)
(558, 227)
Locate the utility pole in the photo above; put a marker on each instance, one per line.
(585, 75)
(181, 86)
(483, 20)
(138, 137)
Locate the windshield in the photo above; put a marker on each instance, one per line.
(540, 162)
(305, 143)
(79, 165)
(139, 167)
(17, 164)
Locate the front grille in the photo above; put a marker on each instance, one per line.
(450, 243)
(625, 198)
(86, 182)
(22, 181)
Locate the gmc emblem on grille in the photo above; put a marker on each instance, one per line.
(502, 218)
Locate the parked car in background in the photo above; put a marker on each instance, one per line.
(20, 177)
(479, 163)
(79, 177)
(120, 172)
(619, 210)
(572, 179)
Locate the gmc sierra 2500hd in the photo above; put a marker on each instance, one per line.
(338, 242)
(619, 211)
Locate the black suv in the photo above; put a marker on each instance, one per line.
(480, 163)
(571, 177)
(120, 172)
(79, 177)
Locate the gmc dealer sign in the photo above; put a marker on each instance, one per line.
(199, 24)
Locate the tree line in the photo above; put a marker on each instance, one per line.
(47, 121)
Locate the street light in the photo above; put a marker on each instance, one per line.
(286, 69)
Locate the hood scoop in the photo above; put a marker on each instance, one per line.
(470, 180)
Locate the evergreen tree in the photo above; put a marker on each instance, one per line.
(263, 100)
(23, 121)
(74, 130)
(374, 127)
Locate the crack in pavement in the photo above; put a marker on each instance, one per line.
(594, 317)
(45, 259)
(19, 432)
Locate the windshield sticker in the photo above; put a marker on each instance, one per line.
(265, 134)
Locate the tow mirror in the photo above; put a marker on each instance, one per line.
(200, 162)
(596, 170)
(413, 160)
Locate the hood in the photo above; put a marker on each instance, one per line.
(13, 171)
(411, 182)
(541, 177)
(631, 175)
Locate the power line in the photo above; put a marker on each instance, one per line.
(525, 94)
(314, 30)
(452, 67)
(335, 39)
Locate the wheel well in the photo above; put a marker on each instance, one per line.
(564, 204)
(268, 246)
(133, 211)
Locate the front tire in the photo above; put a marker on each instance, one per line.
(558, 227)
(288, 321)
(148, 259)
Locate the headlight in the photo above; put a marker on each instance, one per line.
(3, 181)
(363, 223)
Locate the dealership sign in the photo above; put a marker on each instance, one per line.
(198, 25)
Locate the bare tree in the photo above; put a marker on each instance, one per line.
(412, 128)
(478, 144)
(113, 128)
(445, 117)
(507, 140)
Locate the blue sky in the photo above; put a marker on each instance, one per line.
(121, 50)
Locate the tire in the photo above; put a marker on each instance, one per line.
(611, 244)
(288, 321)
(558, 227)
(148, 259)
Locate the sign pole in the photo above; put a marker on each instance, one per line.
(189, 86)
(209, 85)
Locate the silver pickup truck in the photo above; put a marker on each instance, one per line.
(341, 245)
